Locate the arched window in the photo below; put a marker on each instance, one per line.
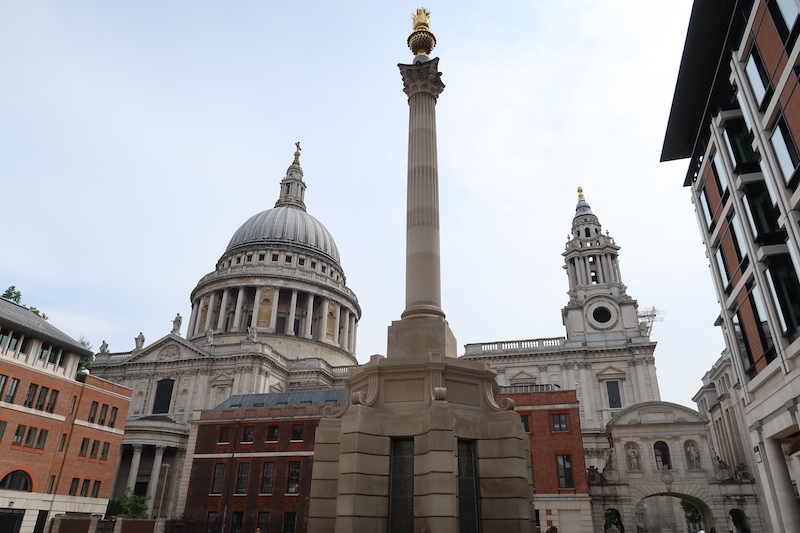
(163, 396)
(587, 232)
(16, 480)
(662, 455)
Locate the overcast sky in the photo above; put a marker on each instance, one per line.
(136, 137)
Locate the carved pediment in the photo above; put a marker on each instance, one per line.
(168, 348)
(610, 372)
(523, 378)
(657, 413)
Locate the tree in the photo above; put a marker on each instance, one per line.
(691, 513)
(128, 504)
(86, 360)
(16, 296)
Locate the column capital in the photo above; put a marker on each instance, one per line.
(422, 78)
(137, 448)
(160, 450)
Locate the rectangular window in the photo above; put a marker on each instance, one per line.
(3, 379)
(31, 395)
(212, 522)
(564, 465)
(84, 447)
(43, 352)
(743, 347)
(560, 422)
(720, 175)
(293, 478)
(104, 451)
(739, 141)
(112, 419)
(722, 268)
(95, 448)
(705, 206)
(51, 403)
(12, 344)
(41, 398)
(219, 475)
(614, 398)
(268, 480)
(272, 434)
(739, 240)
(62, 442)
(53, 355)
(784, 14)
(72, 405)
(12, 390)
(758, 78)
(401, 486)
(85, 488)
(3, 340)
(237, 519)
(289, 522)
(93, 412)
(31, 438)
(224, 435)
(95, 489)
(762, 214)
(40, 442)
(297, 431)
(526, 423)
(73, 487)
(247, 433)
(785, 291)
(3, 425)
(51, 484)
(468, 499)
(241, 479)
(263, 521)
(19, 434)
(103, 412)
(785, 150)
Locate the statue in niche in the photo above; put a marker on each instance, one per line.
(210, 336)
(252, 335)
(139, 341)
(633, 459)
(693, 455)
(176, 325)
(104, 347)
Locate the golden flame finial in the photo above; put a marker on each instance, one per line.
(580, 194)
(297, 154)
(421, 41)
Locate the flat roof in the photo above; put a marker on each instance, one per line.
(278, 399)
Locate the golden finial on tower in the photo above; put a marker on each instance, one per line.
(580, 194)
(297, 154)
(421, 41)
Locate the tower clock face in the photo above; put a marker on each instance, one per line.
(602, 314)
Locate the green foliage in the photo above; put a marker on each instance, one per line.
(613, 520)
(12, 294)
(86, 361)
(128, 504)
(16, 296)
(690, 512)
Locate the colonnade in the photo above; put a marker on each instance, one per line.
(274, 310)
(155, 478)
(604, 266)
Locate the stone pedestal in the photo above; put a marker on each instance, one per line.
(421, 336)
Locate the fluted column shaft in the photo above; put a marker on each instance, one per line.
(134, 469)
(211, 301)
(155, 473)
(309, 316)
(422, 84)
(292, 310)
(237, 316)
(223, 310)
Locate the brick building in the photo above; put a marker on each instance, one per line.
(59, 437)
(736, 117)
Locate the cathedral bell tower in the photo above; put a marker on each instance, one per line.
(599, 311)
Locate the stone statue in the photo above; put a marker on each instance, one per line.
(176, 325)
(694, 456)
(139, 341)
(104, 347)
(252, 335)
(633, 458)
(742, 473)
(210, 336)
(593, 475)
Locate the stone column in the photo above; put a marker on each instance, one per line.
(134, 471)
(276, 299)
(353, 332)
(237, 316)
(309, 316)
(192, 331)
(256, 306)
(324, 334)
(345, 344)
(422, 84)
(338, 309)
(152, 485)
(212, 299)
(223, 311)
(292, 310)
(780, 485)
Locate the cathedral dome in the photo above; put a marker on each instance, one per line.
(286, 225)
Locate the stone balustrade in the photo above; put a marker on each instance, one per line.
(493, 348)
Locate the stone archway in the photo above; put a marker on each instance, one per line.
(679, 513)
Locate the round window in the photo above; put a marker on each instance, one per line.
(602, 315)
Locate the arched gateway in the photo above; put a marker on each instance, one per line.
(661, 456)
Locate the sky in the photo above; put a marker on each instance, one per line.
(136, 137)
